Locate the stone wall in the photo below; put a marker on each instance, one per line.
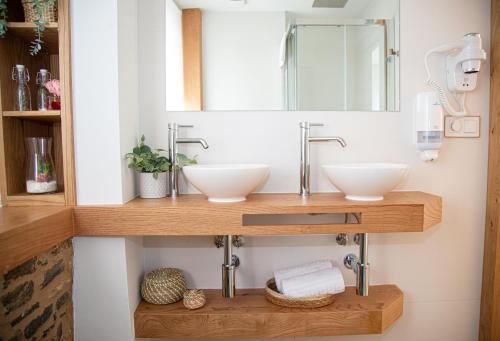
(36, 298)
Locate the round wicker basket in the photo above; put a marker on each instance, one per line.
(194, 299)
(273, 296)
(163, 286)
(49, 12)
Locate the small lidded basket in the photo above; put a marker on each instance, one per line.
(163, 286)
(194, 299)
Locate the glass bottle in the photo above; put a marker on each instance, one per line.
(43, 95)
(40, 174)
(22, 95)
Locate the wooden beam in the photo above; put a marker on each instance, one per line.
(489, 327)
(192, 59)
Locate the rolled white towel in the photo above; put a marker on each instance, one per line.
(280, 275)
(327, 281)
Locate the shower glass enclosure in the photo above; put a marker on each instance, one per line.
(347, 67)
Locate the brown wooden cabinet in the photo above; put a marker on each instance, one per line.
(16, 125)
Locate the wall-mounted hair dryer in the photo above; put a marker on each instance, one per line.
(463, 63)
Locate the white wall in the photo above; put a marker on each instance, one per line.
(96, 101)
(107, 271)
(105, 98)
(128, 86)
(105, 287)
(241, 60)
(438, 270)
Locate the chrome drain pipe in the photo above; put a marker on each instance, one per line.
(231, 262)
(360, 265)
(363, 267)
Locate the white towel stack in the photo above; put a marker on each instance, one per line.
(315, 278)
(280, 275)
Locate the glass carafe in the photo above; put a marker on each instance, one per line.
(22, 95)
(43, 95)
(40, 174)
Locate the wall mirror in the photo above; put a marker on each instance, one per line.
(331, 55)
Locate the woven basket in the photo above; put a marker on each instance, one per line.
(273, 296)
(49, 13)
(163, 286)
(194, 299)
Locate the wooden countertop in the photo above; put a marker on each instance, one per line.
(194, 215)
(28, 231)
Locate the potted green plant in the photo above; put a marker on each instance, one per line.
(152, 168)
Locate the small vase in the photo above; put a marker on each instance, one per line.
(40, 171)
(151, 188)
(54, 103)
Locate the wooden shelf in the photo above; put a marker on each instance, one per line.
(22, 25)
(49, 115)
(250, 315)
(24, 30)
(194, 215)
(26, 199)
(27, 231)
(55, 56)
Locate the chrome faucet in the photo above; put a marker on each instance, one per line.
(305, 141)
(173, 140)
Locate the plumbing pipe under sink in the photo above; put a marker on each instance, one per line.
(360, 265)
(231, 262)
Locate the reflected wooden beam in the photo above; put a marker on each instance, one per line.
(192, 54)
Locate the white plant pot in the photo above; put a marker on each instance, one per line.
(151, 188)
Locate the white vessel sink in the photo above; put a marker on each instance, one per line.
(226, 182)
(365, 181)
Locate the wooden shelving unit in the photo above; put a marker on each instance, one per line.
(250, 315)
(194, 215)
(15, 126)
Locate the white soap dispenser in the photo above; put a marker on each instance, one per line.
(429, 125)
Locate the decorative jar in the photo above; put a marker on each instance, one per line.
(40, 171)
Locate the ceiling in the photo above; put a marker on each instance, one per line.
(353, 8)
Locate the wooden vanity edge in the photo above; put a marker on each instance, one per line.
(433, 212)
(222, 319)
(33, 237)
(402, 212)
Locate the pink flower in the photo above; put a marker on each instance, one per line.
(54, 87)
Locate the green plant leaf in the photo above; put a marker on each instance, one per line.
(183, 160)
(147, 160)
(39, 6)
(3, 18)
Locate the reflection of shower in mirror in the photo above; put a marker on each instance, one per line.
(340, 65)
(262, 55)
